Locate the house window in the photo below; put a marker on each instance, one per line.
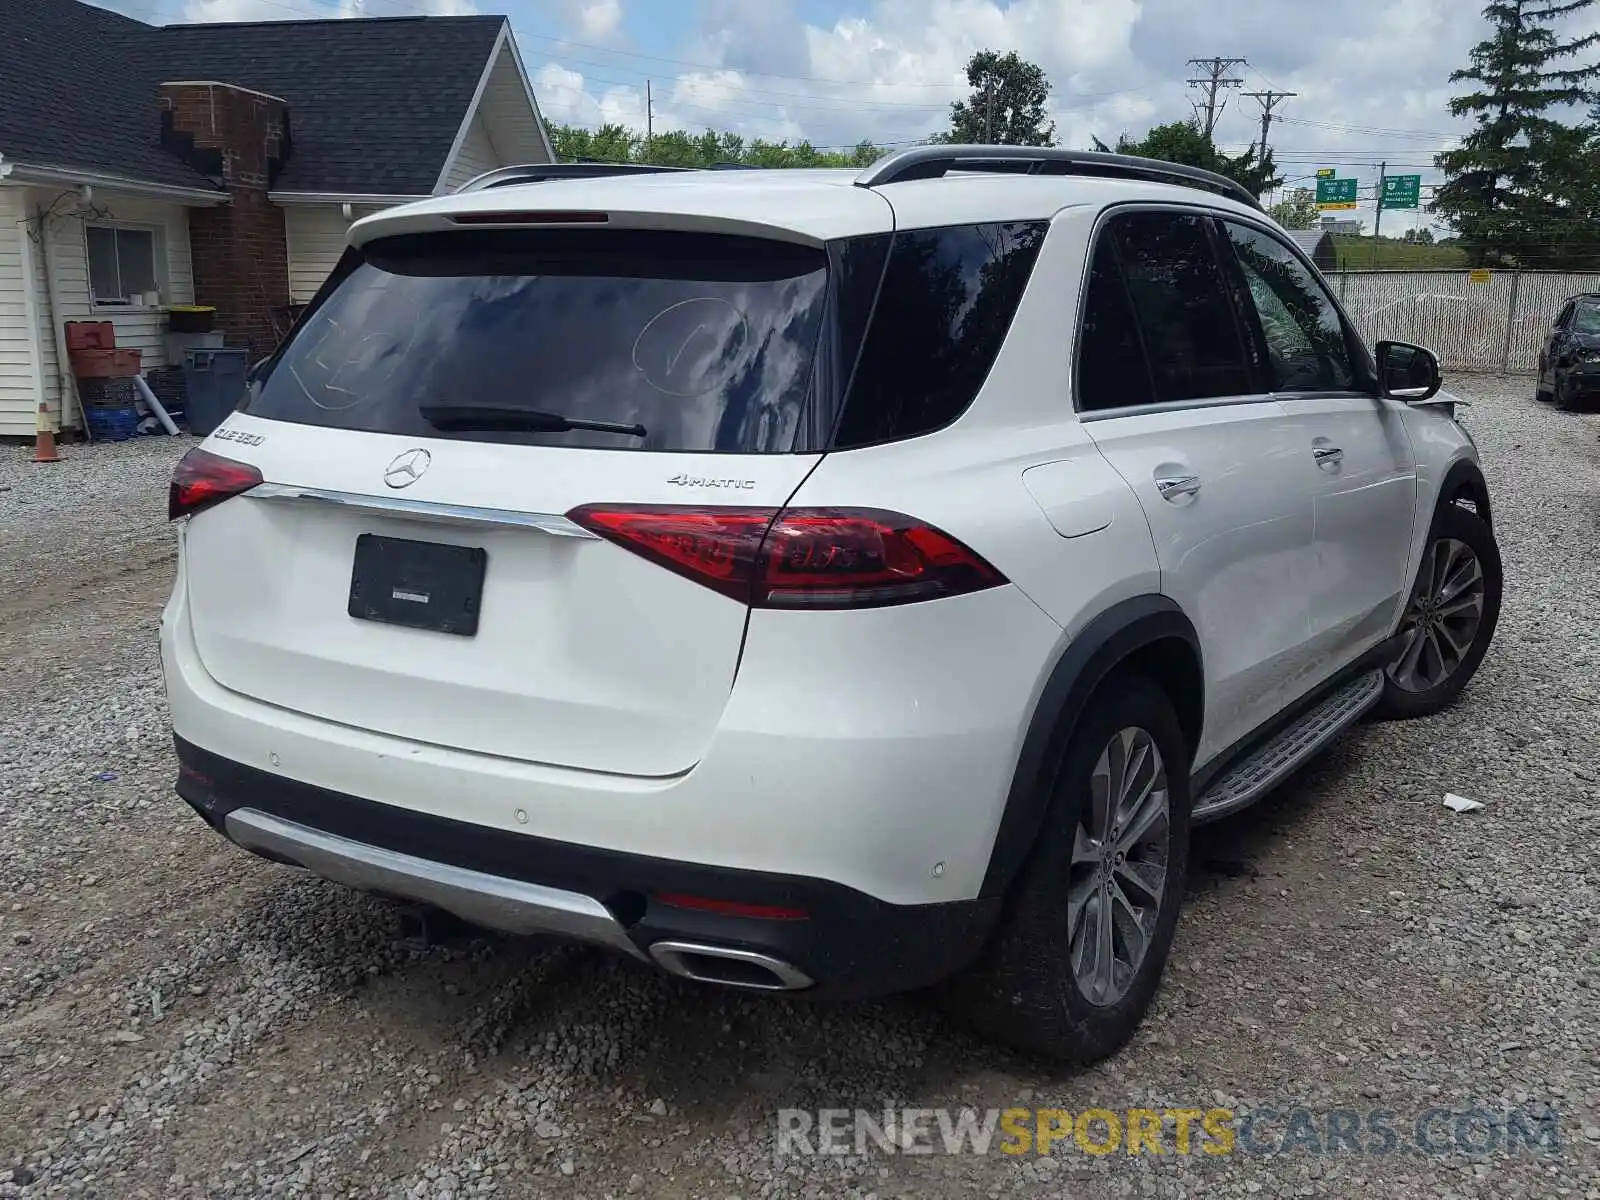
(122, 263)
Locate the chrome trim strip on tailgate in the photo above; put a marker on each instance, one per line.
(492, 901)
(426, 510)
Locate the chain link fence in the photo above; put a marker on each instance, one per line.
(1492, 321)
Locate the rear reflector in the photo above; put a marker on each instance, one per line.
(202, 479)
(813, 558)
(731, 908)
(530, 218)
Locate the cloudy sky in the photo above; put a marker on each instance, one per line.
(1371, 76)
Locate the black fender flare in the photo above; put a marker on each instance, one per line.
(1465, 475)
(1104, 643)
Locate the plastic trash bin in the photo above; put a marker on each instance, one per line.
(214, 380)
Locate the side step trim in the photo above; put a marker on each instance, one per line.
(425, 510)
(1252, 778)
(492, 901)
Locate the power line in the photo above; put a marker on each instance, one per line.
(1216, 78)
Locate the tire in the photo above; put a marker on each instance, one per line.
(1560, 396)
(1541, 393)
(1024, 992)
(1443, 663)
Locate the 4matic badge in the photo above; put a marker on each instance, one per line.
(697, 481)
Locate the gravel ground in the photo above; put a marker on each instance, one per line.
(178, 1019)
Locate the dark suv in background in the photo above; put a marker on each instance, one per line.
(1569, 362)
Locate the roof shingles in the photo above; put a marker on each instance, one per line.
(374, 104)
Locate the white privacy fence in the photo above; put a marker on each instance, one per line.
(1496, 324)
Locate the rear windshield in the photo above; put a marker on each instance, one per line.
(697, 342)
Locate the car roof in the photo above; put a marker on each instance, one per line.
(809, 205)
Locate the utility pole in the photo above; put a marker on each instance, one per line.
(649, 118)
(1214, 79)
(1268, 101)
(1377, 220)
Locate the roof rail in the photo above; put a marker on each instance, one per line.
(545, 172)
(932, 162)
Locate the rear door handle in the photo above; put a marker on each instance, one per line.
(1327, 455)
(1173, 486)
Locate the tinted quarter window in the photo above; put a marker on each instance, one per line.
(1112, 372)
(946, 302)
(1181, 302)
(1307, 346)
(709, 342)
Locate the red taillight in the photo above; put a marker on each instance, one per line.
(732, 908)
(531, 218)
(817, 558)
(202, 479)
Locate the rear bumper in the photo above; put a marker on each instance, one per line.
(848, 755)
(846, 944)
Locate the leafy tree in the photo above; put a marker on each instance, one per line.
(1185, 142)
(1007, 104)
(678, 148)
(1522, 179)
(1298, 211)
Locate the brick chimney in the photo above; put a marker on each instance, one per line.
(241, 256)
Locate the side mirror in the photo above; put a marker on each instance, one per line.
(1407, 372)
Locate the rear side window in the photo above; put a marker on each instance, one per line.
(946, 302)
(703, 342)
(1180, 300)
(1112, 372)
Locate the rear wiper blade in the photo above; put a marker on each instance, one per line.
(490, 417)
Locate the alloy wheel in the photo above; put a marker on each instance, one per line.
(1442, 620)
(1119, 866)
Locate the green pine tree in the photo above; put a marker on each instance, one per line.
(1519, 178)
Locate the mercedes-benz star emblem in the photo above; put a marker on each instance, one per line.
(407, 468)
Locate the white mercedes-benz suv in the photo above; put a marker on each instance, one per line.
(817, 581)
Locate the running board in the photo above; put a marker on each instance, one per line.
(1270, 765)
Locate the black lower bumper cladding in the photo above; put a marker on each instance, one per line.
(851, 944)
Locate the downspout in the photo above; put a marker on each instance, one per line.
(69, 386)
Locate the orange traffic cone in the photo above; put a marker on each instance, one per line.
(44, 439)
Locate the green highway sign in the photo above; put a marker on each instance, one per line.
(1402, 191)
(1336, 193)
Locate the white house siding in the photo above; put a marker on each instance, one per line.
(316, 238)
(19, 365)
(504, 108)
(477, 155)
(141, 329)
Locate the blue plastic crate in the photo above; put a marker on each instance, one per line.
(112, 422)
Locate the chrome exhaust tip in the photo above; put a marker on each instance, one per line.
(728, 967)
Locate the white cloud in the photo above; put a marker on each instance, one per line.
(594, 20)
(887, 70)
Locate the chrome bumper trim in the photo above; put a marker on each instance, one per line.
(492, 901)
(425, 510)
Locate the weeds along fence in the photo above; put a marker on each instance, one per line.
(1492, 321)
